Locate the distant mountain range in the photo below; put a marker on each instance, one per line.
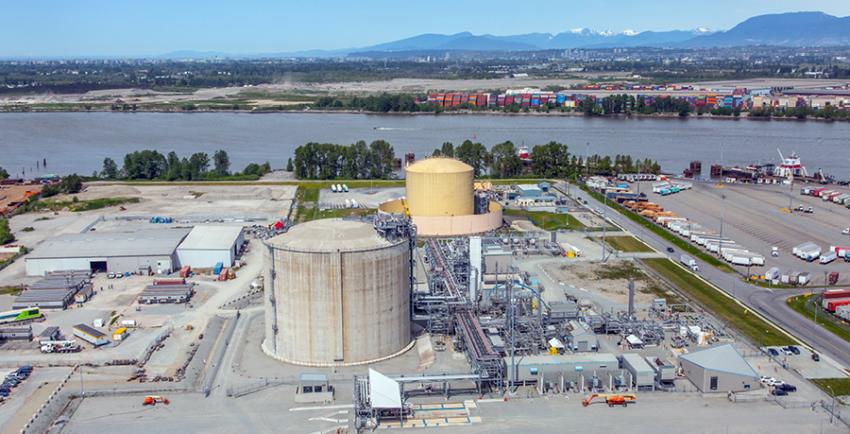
(793, 29)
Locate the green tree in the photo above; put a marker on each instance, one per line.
(3, 173)
(110, 169)
(199, 163)
(551, 160)
(447, 149)
(383, 158)
(474, 154)
(221, 163)
(505, 163)
(71, 184)
(174, 168)
(6, 235)
(289, 167)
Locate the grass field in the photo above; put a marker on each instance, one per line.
(724, 308)
(547, 220)
(627, 244)
(80, 205)
(805, 305)
(663, 233)
(10, 290)
(833, 386)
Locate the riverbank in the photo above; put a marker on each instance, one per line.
(292, 109)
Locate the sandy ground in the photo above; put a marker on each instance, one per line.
(582, 275)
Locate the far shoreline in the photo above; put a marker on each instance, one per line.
(633, 116)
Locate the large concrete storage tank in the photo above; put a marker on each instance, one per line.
(439, 186)
(337, 294)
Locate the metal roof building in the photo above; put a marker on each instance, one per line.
(206, 246)
(719, 369)
(147, 249)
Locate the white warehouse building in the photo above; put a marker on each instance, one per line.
(147, 250)
(206, 246)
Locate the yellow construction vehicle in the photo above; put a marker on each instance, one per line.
(611, 399)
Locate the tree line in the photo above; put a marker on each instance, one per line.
(356, 161)
(151, 164)
(376, 161)
(549, 160)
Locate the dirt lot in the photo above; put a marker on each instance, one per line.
(200, 202)
(15, 193)
(609, 280)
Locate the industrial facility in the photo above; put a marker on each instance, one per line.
(338, 293)
(441, 201)
(146, 251)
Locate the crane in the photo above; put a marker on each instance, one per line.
(611, 399)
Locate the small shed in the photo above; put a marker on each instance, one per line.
(314, 388)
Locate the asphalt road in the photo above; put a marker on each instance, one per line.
(769, 303)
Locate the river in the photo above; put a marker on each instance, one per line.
(78, 142)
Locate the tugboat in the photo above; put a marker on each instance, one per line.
(790, 166)
(522, 153)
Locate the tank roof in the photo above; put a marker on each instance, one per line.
(439, 165)
(330, 235)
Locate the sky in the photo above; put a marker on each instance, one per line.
(118, 28)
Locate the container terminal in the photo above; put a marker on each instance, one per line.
(450, 307)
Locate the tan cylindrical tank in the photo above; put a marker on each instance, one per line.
(337, 293)
(439, 186)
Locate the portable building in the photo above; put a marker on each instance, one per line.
(207, 245)
(665, 372)
(90, 335)
(572, 366)
(16, 333)
(643, 376)
(119, 334)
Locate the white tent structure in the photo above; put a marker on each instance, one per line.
(384, 392)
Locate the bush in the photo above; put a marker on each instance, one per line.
(5, 233)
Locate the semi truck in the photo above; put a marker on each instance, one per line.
(50, 347)
(689, 262)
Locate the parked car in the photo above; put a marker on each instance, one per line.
(816, 357)
(787, 351)
(776, 383)
(787, 388)
(773, 352)
(778, 392)
(766, 380)
(794, 350)
(846, 231)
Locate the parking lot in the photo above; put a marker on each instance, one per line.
(756, 217)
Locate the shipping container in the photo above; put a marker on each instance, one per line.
(837, 293)
(831, 305)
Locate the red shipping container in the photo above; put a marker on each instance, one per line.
(832, 305)
(169, 282)
(837, 293)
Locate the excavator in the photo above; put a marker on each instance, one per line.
(155, 399)
(611, 399)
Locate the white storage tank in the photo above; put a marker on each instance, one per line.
(338, 294)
